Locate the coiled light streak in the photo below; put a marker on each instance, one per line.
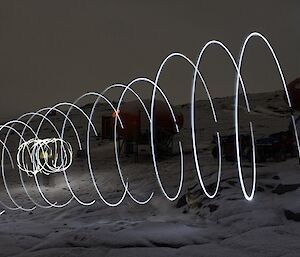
(44, 156)
(63, 153)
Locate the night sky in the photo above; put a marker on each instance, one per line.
(56, 50)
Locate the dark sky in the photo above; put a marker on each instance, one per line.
(56, 50)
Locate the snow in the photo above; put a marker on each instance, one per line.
(226, 226)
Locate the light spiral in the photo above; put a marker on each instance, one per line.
(49, 155)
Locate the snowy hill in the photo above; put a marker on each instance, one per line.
(193, 225)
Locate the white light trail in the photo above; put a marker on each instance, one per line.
(44, 156)
(38, 155)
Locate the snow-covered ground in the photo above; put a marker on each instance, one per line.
(227, 225)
